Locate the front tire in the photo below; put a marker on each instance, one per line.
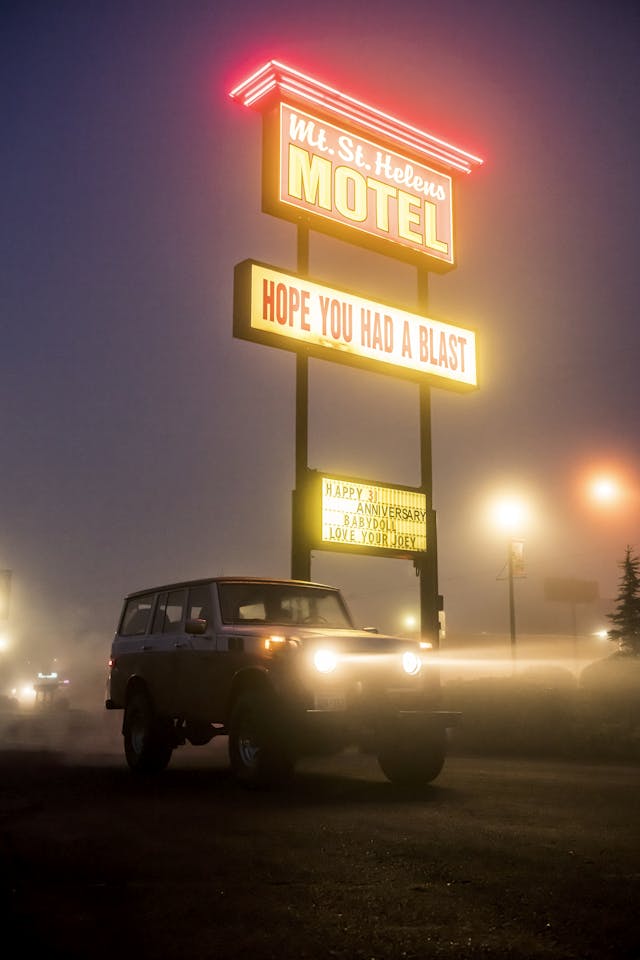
(258, 750)
(147, 744)
(413, 760)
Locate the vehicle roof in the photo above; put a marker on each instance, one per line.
(228, 579)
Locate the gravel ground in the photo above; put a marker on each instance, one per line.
(498, 858)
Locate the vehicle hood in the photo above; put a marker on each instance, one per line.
(349, 641)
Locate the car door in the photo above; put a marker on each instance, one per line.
(163, 645)
(199, 662)
(129, 653)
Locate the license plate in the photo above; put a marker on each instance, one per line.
(330, 701)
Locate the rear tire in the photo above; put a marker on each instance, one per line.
(147, 744)
(259, 752)
(413, 760)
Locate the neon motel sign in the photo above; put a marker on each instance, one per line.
(341, 166)
(353, 171)
(281, 309)
(352, 182)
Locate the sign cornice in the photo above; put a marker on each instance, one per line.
(276, 80)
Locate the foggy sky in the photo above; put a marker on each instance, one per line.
(141, 443)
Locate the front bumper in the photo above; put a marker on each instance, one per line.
(368, 728)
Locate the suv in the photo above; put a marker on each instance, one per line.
(278, 667)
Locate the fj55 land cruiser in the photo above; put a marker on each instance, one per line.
(278, 667)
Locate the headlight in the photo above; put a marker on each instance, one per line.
(26, 694)
(411, 663)
(325, 661)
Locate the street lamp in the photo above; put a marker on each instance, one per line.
(605, 489)
(410, 622)
(612, 488)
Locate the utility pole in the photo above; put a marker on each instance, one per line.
(512, 604)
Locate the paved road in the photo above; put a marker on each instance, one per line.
(498, 858)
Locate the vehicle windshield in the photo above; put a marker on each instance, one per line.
(281, 603)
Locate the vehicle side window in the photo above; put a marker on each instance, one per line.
(170, 612)
(198, 604)
(135, 619)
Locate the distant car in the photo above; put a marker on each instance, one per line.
(50, 691)
(279, 668)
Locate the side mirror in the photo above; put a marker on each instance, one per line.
(196, 626)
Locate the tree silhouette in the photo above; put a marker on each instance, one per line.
(626, 616)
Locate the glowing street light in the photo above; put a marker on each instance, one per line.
(610, 486)
(605, 490)
(510, 514)
(614, 493)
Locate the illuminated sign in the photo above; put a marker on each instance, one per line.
(372, 517)
(283, 310)
(330, 173)
(352, 170)
(276, 80)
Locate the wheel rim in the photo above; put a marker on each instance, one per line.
(248, 749)
(137, 734)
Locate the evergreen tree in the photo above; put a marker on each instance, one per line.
(626, 616)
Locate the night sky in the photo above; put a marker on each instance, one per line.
(142, 443)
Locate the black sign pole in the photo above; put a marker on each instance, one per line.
(427, 565)
(300, 551)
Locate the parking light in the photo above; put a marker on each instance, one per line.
(274, 643)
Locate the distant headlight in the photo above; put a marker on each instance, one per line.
(25, 694)
(411, 663)
(325, 661)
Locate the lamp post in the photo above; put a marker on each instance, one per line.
(509, 515)
(514, 569)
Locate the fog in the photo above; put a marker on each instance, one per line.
(143, 444)
(545, 696)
